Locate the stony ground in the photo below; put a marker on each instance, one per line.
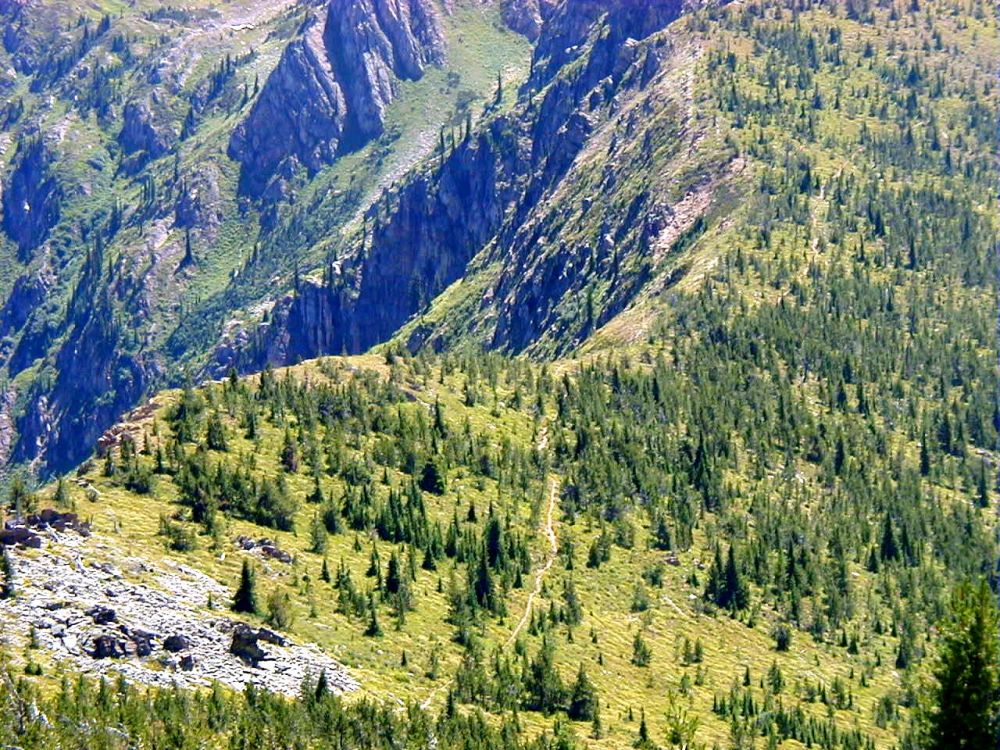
(103, 612)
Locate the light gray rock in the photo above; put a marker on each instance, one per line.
(375, 42)
(199, 201)
(299, 114)
(57, 592)
(527, 16)
(330, 90)
(146, 133)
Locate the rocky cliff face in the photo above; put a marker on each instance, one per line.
(145, 133)
(607, 25)
(373, 43)
(98, 380)
(440, 220)
(23, 313)
(330, 90)
(29, 292)
(31, 198)
(527, 16)
(492, 200)
(297, 119)
(18, 41)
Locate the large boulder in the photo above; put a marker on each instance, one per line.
(244, 645)
(20, 537)
(142, 642)
(176, 643)
(108, 647)
(269, 636)
(101, 615)
(50, 518)
(146, 134)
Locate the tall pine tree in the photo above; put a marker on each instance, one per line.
(967, 691)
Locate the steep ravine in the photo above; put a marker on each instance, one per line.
(486, 197)
(499, 197)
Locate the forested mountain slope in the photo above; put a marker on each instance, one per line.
(638, 159)
(724, 498)
(154, 151)
(616, 545)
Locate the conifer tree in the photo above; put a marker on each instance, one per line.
(736, 588)
(318, 535)
(322, 685)
(7, 586)
(681, 726)
(374, 630)
(583, 698)
(61, 497)
(966, 697)
(889, 550)
(393, 578)
(246, 595)
(596, 728)
(215, 437)
(641, 653)
(289, 454)
(432, 478)
(543, 683)
(643, 741)
(20, 499)
(574, 609)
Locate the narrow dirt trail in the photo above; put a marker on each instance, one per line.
(550, 532)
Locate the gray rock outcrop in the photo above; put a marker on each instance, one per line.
(373, 43)
(527, 16)
(153, 630)
(298, 117)
(330, 90)
(145, 135)
(31, 198)
(199, 200)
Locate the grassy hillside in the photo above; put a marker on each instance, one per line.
(517, 451)
(739, 499)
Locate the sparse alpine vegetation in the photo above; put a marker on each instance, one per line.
(581, 373)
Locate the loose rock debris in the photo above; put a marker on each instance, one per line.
(92, 617)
